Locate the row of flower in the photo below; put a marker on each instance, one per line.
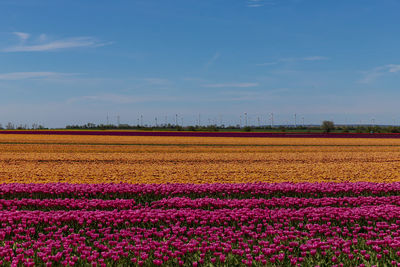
(151, 192)
(198, 203)
(207, 231)
(328, 235)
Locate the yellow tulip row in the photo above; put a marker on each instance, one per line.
(106, 159)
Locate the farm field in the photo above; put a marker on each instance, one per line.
(343, 224)
(140, 159)
(198, 201)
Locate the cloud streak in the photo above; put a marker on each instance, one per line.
(43, 44)
(374, 74)
(22, 36)
(212, 60)
(157, 81)
(121, 99)
(314, 58)
(294, 60)
(232, 85)
(15, 76)
(259, 3)
(249, 95)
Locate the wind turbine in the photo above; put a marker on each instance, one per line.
(272, 120)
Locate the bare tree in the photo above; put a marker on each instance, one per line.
(328, 126)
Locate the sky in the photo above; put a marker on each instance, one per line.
(73, 62)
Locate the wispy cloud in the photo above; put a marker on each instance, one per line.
(293, 60)
(271, 3)
(374, 74)
(267, 63)
(23, 36)
(121, 99)
(314, 58)
(393, 68)
(43, 37)
(232, 85)
(249, 95)
(14, 76)
(212, 60)
(42, 43)
(157, 81)
(260, 3)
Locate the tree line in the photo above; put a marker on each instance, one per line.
(12, 126)
(326, 127)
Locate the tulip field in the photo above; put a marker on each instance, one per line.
(198, 160)
(306, 224)
(198, 201)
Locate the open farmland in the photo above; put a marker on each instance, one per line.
(140, 159)
(70, 200)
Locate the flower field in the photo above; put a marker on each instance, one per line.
(190, 201)
(149, 159)
(306, 224)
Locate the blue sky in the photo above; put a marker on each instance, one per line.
(73, 62)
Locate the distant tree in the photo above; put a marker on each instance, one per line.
(1, 127)
(361, 129)
(328, 126)
(345, 129)
(392, 129)
(10, 126)
(212, 128)
(90, 125)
